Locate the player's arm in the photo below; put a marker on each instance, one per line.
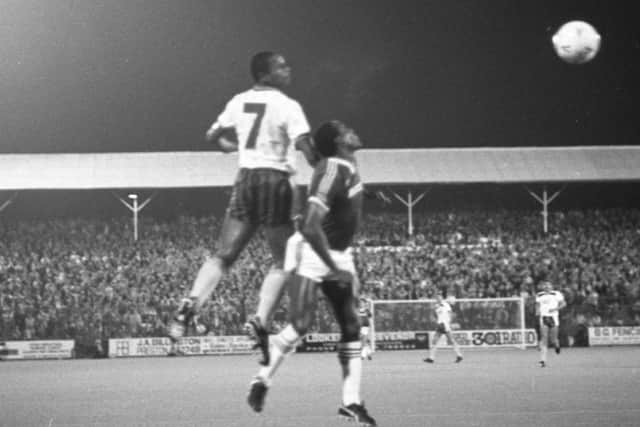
(315, 235)
(218, 134)
(304, 143)
(561, 303)
(326, 182)
(223, 131)
(299, 132)
(297, 202)
(452, 316)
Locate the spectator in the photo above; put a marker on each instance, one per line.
(85, 279)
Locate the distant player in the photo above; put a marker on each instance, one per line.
(321, 258)
(267, 125)
(548, 305)
(364, 314)
(196, 327)
(443, 319)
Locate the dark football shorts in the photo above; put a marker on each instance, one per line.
(364, 320)
(548, 321)
(441, 328)
(261, 197)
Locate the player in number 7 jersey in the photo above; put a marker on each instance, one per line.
(267, 125)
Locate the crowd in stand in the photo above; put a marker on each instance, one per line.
(86, 279)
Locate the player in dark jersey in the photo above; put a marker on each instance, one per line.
(320, 257)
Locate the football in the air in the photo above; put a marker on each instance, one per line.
(576, 42)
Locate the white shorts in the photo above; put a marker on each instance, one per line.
(300, 258)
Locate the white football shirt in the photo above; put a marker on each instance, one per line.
(443, 313)
(267, 122)
(548, 301)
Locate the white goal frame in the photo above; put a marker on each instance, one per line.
(520, 300)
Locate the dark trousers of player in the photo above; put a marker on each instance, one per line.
(303, 304)
(548, 331)
(341, 297)
(260, 197)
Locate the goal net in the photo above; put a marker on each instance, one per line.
(475, 322)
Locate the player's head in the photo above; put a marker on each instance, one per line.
(439, 297)
(546, 286)
(333, 137)
(270, 68)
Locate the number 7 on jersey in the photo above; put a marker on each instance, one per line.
(258, 109)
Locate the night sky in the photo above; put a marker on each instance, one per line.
(151, 75)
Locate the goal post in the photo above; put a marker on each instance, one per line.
(476, 322)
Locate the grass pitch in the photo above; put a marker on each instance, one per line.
(581, 387)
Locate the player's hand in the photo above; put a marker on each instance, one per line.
(339, 275)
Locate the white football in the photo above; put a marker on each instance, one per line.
(576, 42)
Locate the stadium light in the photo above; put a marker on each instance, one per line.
(134, 197)
(134, 207)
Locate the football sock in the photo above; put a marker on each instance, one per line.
(366, 342)
(282, 345)
(456, 348)
(349, 357)
(433, 347)
(543, 352)
(364, 334)
(207, 279)
(270, 293)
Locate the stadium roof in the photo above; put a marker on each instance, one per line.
(405, 166)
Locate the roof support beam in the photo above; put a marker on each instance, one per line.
(135, 208)
(545, 201)
(7, 202)
(409, 203)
